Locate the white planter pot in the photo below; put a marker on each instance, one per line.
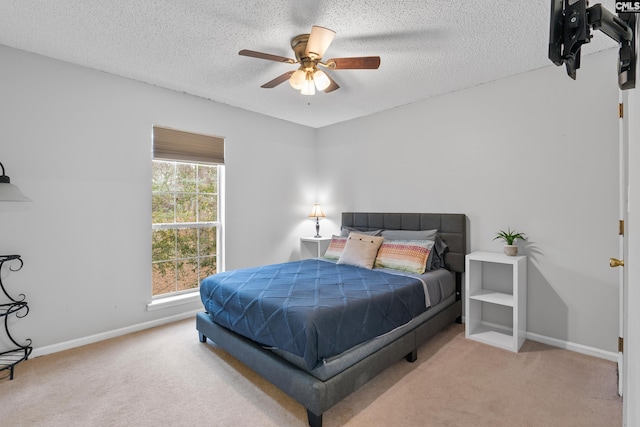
(511, 250)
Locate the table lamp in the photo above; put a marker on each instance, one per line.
(317, 213)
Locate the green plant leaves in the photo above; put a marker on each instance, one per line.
(510, 236)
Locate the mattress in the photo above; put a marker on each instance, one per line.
(315, 309)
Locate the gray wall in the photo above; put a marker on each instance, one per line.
(537, 152)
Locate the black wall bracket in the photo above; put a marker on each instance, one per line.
(571, 25)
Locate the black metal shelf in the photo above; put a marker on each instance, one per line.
(18, 307)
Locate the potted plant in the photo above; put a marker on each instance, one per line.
(509, 237)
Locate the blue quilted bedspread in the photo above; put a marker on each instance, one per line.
(312, 308)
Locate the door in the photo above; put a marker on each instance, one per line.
(623, 188)
(631, 382)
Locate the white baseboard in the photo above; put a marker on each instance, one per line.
(578, 348)
(41, 351)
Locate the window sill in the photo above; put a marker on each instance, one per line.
(173, 301)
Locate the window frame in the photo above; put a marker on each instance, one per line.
(182, 147)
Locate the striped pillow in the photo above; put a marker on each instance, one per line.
(335, 247)
(405, 255)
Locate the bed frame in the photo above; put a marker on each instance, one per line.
(318, 396)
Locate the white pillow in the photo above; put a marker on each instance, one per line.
(360, 250)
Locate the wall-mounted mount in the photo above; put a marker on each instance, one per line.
(570, 27)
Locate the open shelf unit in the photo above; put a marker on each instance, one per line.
(483, 295)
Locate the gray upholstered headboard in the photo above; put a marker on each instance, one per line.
(452, 228)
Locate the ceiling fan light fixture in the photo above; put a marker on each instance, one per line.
(308, 50)
(308, 87)
(297, 79)
(319, 40)
(321, 80)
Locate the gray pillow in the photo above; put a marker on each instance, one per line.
(409, 234)
(344, 231)
(436, 256)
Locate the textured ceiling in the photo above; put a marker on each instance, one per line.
(427, 47)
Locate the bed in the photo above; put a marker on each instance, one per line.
(297, 354)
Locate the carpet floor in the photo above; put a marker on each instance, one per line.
(165, 377)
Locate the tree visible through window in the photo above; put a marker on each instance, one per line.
(184, 224)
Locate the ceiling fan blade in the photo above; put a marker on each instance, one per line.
(332, 86)
(280, 79)
(319, 41)
(357, 63)
(268, 56)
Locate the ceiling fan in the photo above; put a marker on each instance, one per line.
(309, 49)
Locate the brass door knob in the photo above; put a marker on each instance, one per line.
(613, 262)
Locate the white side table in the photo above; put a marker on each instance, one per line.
(484, 292)
(313, 247)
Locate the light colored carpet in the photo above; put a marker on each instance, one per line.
(165, 377)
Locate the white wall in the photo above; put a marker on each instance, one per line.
(536, 152)
(78, 142)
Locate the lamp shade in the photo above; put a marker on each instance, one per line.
(308, 87)
(297, 79)
(10, 192)
(317, 212)
(321, 79)
(319, 40)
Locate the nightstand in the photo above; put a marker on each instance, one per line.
(496, 299)
(313, 247)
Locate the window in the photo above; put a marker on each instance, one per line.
(185, 211)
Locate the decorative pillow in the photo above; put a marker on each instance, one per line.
(360, 250)
(434, 260)
(335, 247)
(344, 232)
(405, 255)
